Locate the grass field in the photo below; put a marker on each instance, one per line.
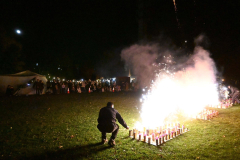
(64, 127)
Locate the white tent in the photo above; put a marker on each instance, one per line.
(22, 82)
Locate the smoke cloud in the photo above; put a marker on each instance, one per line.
(186, 84)
(141, 60)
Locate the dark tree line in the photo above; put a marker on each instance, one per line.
(11, 57)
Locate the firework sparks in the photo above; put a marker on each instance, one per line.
(187, 90)
(175, 8)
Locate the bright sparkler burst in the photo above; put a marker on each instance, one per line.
(188, 90)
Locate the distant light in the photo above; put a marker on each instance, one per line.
(36, 64)
(28, 84)
(185, 41)
(18, 31)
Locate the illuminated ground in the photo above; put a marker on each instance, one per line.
(64, 127)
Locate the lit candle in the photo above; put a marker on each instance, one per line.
(136, 133)
(153, 136)
(157, 141)
(149, 140)
(145, 138)
(178, 126)
(130, 133)
(172, 134)
(183, 128)
(169, 133)
(163, 138)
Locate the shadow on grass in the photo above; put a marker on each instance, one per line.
(77, 152)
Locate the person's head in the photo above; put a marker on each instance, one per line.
(110, 104)
(229, 87)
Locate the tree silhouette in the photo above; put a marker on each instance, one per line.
(11, 57)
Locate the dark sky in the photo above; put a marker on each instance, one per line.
(89, 34)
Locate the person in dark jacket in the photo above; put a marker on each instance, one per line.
(234, 94)
(107, 123)
(36, 86)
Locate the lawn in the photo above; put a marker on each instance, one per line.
(64, 127)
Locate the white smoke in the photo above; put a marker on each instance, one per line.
(192, 87)
(141, 59)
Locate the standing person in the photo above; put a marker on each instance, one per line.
(234, 94)
(70, 86)
(36, 86)
(78, 88)
(9, 91)
(41, 86)
(59, 87)
(53, 87)
(107, 123)
(48, 86)
(63, 87)
(133, 85)
(83, 86)
(66, 87)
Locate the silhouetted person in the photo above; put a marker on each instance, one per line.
(9, 91)
(234, 94)
(41, 86)
(107, 123)
(37, 86)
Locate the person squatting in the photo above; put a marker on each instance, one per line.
(107, 123)
(234, 94)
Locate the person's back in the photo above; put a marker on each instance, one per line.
(107, 115)
(107, 122)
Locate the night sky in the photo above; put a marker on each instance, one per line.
(85, 37)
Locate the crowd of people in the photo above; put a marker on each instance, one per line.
(39, 86)
(59, 87)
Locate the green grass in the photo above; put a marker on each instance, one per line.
(64, 127)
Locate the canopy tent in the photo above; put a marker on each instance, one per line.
(22, 82)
